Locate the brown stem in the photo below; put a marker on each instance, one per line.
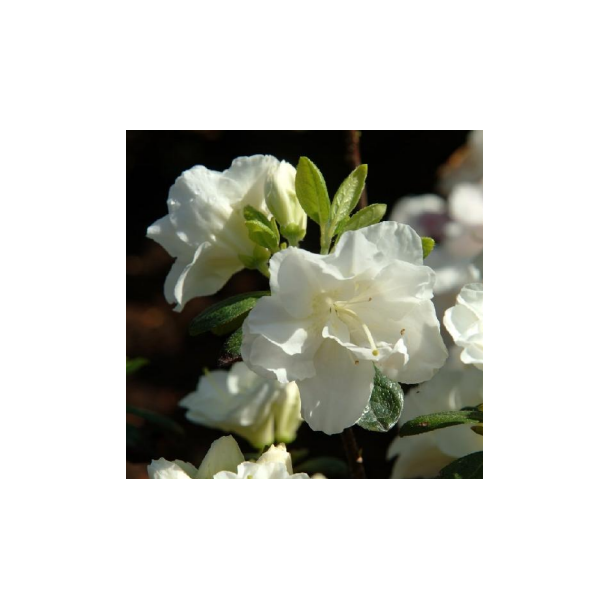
(354, 454)
(354, 159)
(352, 451)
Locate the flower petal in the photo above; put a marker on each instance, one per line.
(298, 276)
(277, 455)
(394, 240)
(164, 233)
(164, 469)
(337, 396)
(271, 361)
(224, 454)
(427, 352)
(210, 270)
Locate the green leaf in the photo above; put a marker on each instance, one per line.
(331, 467)
(134, 364)
(467, 467)
(251, 213)
(348, 195)
(370, 215)
(218, 317)
(427, 244)
(385, 405)
(262, 235)
(436, 421)
(156, 419)
(232, 346)
(312, 192)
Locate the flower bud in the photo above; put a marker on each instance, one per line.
(282, 201)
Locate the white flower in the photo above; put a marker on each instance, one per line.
(426, 214)
(205, 229)
(455, 386)
(281, 199)
(224, 454)
(330, 318)
(224, 460)
(240, 401)
(457, 227)
(465, 323)
(275, 463)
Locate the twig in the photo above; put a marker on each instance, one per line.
(354, 159)
(352, 451)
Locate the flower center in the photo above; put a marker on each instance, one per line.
(342, 310)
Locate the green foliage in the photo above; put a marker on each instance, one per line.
(436, 421)
(134, 364)
(231, 350)
(262, 235)
(467, 467)
(385, 405)
(312, 192)
(348, 195)
(222, 317)
(427, 244)
(370, 215)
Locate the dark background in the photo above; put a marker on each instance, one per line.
(400, 163)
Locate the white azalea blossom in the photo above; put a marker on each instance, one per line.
(240, 401)
(455, 386)
(224, 460)
(275, 463)
(224, 454)
(281, 199)
(465, 323)
(331, 318)
(205, 228)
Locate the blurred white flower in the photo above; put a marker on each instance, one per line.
(224, 460)
(455, 386)
(281, 198)
(465, 323)
(224, 454)
(331, 318)
(205, 229)
(426, 214)
(240, 401)
(457, 227)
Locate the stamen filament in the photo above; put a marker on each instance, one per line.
(364, 327)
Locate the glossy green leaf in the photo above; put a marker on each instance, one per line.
(366, 217)
(220, 315)
(262, 235)
(348, 195)
(436, 421)
(312, 192)
(251, 213)
(385, 405)
(467, 467)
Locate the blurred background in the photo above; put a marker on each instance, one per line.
(401, 163)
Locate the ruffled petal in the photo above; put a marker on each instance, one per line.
(337, 396)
